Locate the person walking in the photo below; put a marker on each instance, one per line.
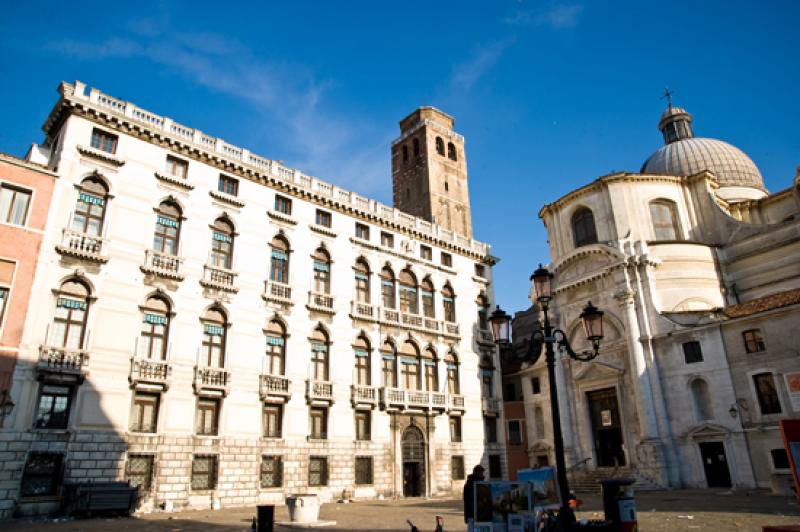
(469, 496)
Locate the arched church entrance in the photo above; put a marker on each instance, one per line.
(413, 449)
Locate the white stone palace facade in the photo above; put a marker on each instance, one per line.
(219, 328)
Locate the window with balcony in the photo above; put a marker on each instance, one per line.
(323, 218)
(283, 205)
(363, 425)
(483, 312)
(144, 412)
(389, 365)
(168, 228)
(215, 325)
(490, 429)
(177, 167)
(273, 420)
(430, 363)
(449, 303)
(204, 472)
(276, 348)
(753, 341)
(426, 295)
(279, 260)
(319, 355)
(103, 140)
(388, 287)
(487, 376)
(69, 321)
(139, 471)
(362, 281)
(387, 240)
(207, 417)
(457, 467)
(53, 407)
(363, 470)
(222, 237)
(318, 471)
(455, 429)
(664, 214)
(14, 204)
(90, 209)
(362, 350)
(322, 271)
(453, 383)
(271, 471)
(447, 259)
(154, 334)
(692, 352)
(409, 366)
(318, 423)
(228, 185)
(362, 231)
(767, 393)
(408, 292)
(42, 475)
(583, 228)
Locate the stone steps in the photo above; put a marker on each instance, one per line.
(589, 481)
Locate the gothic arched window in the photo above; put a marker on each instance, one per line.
(322, 271)
(409, 366)
(362, 281)
(439, 146)
(408, 292)
(389, 364)
(483, 312)
(451, 151)
(426, 294)
(69, 321)
(279, 260)
(453, 381)
(222, 244)
(168, 228)
(275, 335)
(388, 287)
(215, 330)
(90, 210)
(664, 214)
(155, 329)
(430, 370)
(583, 229)
(449, 303)
(361, 350)
(319, 355)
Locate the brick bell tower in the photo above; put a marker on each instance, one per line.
(429, 171)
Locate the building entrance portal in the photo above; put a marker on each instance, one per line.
(413, 448)
(715, 464)
(606, 427)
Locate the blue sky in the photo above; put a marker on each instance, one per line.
(549, 95)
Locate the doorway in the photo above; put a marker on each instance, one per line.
(413, 449)
(715, 464)
(606, 427)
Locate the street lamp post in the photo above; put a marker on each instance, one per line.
(592, 319)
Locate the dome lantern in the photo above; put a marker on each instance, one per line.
(675, 124)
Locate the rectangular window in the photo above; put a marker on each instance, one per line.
(425, 252)
(514, 432)
(271, 471)
(363, 470)
(512, 391)
(273, 420)
(536, 388)
(323, 218)
(102, 140)
(3, 302)
(455, 429)
(318, 423)
(139, 471)
(387, 240)
(692, 352)
(767, 393)
(228, 185)
(362, 231)
(480, 271)
(283, 205)
(207, 415)
(318, 471)
(363, 425)
(177, 167)
(14, 204)
(780, 460)
(204, 472)
(753, 341)
(144, 412)
(42, 475)
(490, 429)
(54, 404)
(447, 259)
(457, 467)
(495, 468)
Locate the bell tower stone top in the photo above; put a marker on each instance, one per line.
(429, 171)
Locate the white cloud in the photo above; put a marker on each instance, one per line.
(555, 15)
(467, 73)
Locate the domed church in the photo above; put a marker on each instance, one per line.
(697, 267)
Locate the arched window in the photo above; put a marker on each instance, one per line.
(405, 153)
(426, 293)
(389, 364)
(275, 335)
(487, 376)
(387, 287)
(319, 355)
(279, 260)
(168, 228)
(69, 321)
(322, 271)
(409, 366)
(215, 329)
(408, 292)
(538, 421)
(90, 210)
(453, 381)
(583, 229)
(362, 281)
(416, 147)
(439, 146)
(702, 400)
(451, 151)
(449, 303)
(664, 214)
(222, 244)
(483, 312)
(362, 351)
(155, 329)
(430, 370)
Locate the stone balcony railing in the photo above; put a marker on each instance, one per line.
(215, 380)
(390, 316)
(63, 360)
(319, 392)
(320, 302)
(364, 395)
(491, 405)
(455, 402)
(277, 292)
(163, 265)
(363, 311)
(402, 399)
(83, 246)
(145, 372)
(219, 278)
(274, 388)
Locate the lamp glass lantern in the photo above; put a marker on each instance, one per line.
(501, 325)
(542, 284)
(592, 319)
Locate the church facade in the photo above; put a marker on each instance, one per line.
(697, 268)
(222, 330)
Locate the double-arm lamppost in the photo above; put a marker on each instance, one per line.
(592, 319)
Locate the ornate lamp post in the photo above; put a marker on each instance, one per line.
(592, 319)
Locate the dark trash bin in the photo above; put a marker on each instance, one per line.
(613, 492)
(266, 518)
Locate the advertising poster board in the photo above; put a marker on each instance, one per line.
(495, 502)
(544, 488)
(793, 386)
(790, 429)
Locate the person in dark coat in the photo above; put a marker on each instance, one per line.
(469, 494)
